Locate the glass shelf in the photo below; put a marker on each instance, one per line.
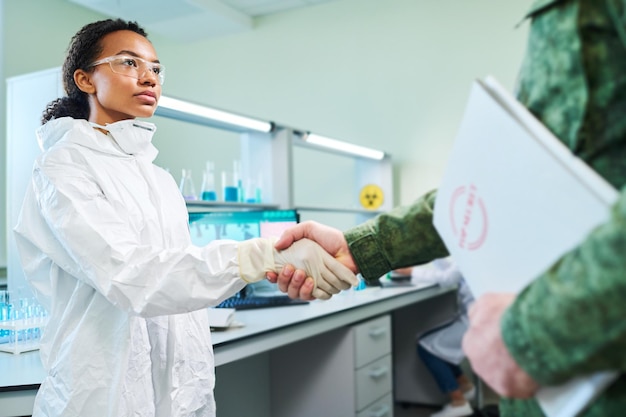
(200, 205)
(339, 210)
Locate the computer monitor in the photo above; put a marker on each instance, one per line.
(242, 225)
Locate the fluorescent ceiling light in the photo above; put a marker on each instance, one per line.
(171, 107)
(343, 146)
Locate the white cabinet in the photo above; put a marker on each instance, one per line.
(381, 408)
(372, 361)
(344, 373)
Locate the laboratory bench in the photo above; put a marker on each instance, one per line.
(353, 355)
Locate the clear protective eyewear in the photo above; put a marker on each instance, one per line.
(132, 66)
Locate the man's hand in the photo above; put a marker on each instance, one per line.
(329, 238)
(294, 282)
(487, 352)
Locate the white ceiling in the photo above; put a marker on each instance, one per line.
(191, 20)
(263, 7)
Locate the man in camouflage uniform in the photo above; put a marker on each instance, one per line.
(572, 320)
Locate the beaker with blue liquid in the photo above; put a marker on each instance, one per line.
(230, 187)
(207, 190)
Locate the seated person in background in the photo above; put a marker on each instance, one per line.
(440, 348)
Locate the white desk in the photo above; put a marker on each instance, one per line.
(243, 355)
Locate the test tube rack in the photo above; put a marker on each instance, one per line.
(16, 345)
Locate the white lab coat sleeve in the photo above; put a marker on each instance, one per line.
(95, 240)
(441, 271)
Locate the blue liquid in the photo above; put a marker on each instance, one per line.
(231, 194)
(4, 315)
(240, 191)
(209, 195)
(256, 198)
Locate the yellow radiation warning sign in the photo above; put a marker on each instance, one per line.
(371, 197)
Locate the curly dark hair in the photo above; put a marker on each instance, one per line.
(84, 48)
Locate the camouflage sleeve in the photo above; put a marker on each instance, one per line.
(402, 237)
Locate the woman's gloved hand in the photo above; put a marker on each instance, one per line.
(258, 256)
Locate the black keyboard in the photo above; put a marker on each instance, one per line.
(247, 303)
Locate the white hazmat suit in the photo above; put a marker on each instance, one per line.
(103, 238)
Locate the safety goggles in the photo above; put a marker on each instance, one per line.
(132, 66)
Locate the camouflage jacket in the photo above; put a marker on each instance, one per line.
(572, 319)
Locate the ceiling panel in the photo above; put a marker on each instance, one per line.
(190, 20)
(264, 7)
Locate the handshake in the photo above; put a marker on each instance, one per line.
(309, 261)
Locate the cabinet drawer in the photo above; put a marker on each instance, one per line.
(372, 340)
(381, 408)
(373, 381)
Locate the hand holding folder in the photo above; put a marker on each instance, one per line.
(512, 201)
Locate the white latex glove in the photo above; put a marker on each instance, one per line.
(258, 256)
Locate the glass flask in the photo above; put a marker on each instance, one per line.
(4, 311)
(207, 190)
(253, 190)
(187, 187)
(238, 180)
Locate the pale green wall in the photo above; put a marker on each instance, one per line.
(388, 74)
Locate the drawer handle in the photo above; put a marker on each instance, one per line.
(382, 411)
(377, 332)
(378, 372)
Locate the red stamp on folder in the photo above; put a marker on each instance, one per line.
(468, 217)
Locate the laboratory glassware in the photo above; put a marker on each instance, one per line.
(187, 187)
(230, 192)
(207, 190)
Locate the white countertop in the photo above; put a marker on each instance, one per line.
(263, 329)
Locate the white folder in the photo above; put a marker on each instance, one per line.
(512, 201)
(221, 318)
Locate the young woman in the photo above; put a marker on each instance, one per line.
(104, 241)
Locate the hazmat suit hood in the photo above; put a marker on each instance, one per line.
(82, 133)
